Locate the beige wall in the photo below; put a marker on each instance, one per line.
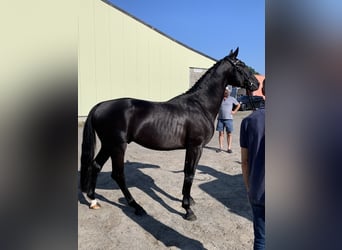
(120, 56)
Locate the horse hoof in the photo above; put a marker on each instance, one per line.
(95, 206)
(138, 209)
(140, 212)
(190, 217)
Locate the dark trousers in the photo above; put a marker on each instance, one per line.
(259, 226)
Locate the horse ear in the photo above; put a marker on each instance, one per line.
(230, 53)
(236, 52)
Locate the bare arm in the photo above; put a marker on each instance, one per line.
(236, 108)
(244, 166)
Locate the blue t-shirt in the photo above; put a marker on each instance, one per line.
(227, 107)
(252, 137)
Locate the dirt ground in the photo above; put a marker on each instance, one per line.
(155, 178)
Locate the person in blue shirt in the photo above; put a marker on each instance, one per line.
(252, 142)
(225, 120)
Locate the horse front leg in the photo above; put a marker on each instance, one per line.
(192, 156)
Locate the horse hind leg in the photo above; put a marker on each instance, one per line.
(118, 175)
(98, 163)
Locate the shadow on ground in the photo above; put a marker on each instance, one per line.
(165, 234)
(227, 189)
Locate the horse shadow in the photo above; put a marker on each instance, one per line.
(136, 178)
(211, 148)
(165, 234)
(227, 189)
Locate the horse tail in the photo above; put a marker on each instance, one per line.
(88, 150)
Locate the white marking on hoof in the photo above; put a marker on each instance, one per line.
(94, 204)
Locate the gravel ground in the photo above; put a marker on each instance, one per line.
(155, 178)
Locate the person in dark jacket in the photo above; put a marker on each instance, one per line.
(252, 142)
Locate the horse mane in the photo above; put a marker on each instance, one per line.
(200, 83)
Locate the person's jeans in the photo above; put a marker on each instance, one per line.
(259, 226)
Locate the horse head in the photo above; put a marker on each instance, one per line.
(242, 75)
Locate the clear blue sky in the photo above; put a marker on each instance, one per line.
(211, 27)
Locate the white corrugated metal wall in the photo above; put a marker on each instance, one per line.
(119, 56)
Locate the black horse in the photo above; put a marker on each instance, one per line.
(184, 122)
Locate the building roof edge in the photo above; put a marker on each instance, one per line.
(155, 29)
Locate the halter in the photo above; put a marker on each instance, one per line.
(247, 83)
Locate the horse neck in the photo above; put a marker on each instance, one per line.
(209, 89)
